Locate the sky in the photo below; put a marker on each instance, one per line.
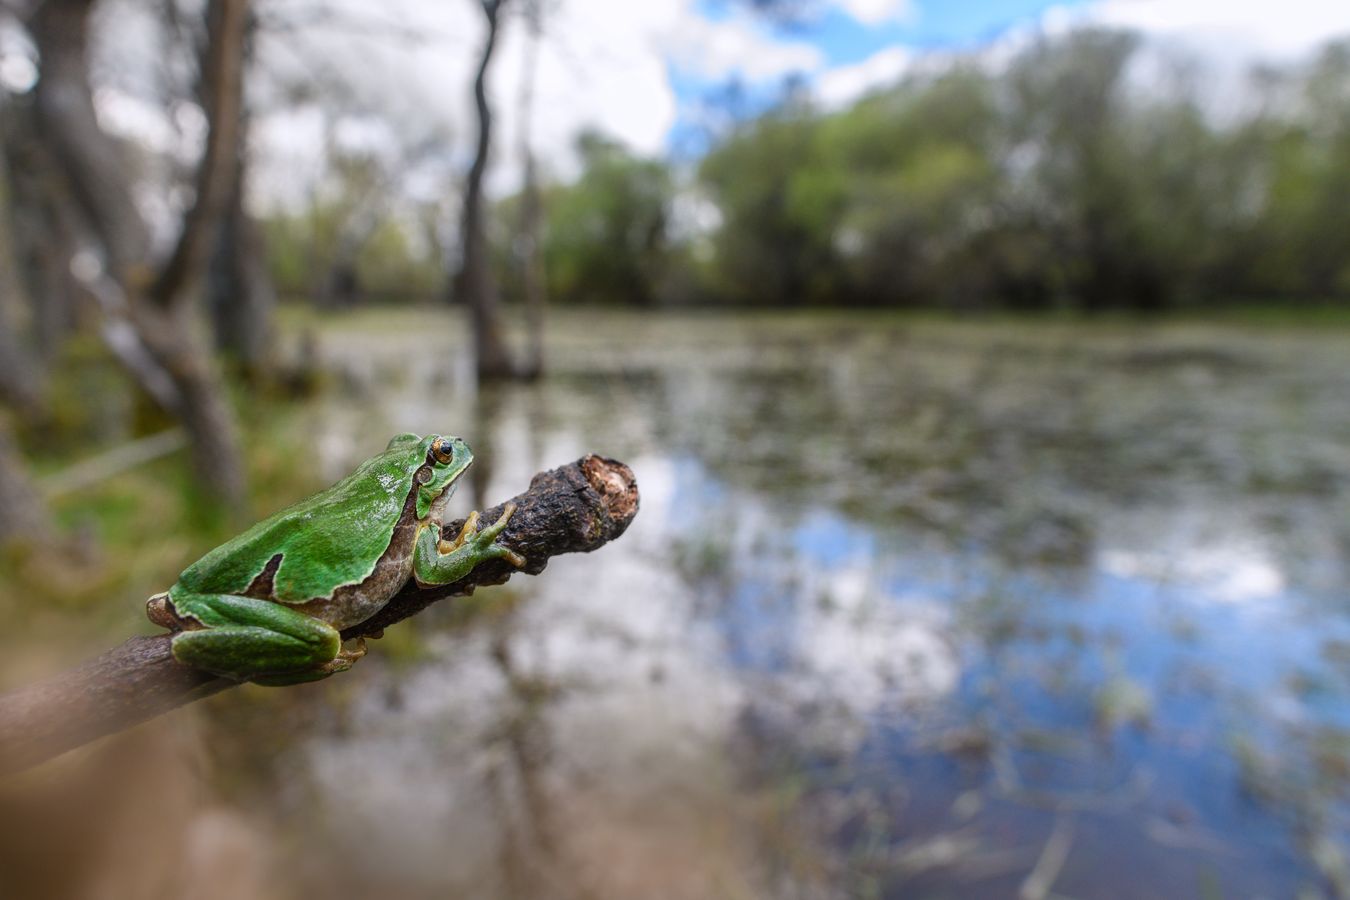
(642, 72)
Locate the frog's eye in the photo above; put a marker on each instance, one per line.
(441, 451)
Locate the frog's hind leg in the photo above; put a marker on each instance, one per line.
(267, 642)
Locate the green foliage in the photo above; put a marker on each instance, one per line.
(1056, 183)
(606, 239)
(781, 204)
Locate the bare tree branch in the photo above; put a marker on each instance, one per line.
(576, 508)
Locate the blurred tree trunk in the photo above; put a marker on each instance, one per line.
(239, 290)
(23, 515)
(22, 379)
(531, 211)
(93, 163)
(240, 293)
(474, 284)
(147, 310)
(43, 246)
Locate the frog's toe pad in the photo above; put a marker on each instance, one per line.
(351, 651)
(159, 610)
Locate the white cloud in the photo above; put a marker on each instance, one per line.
(598, 67)
(407, 65)
(1228, 33)
(875, 12)
(1224, 35)
(736, 46)
(1286, 28)
(601, 65)
(843, 84)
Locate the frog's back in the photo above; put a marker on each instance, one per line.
(327, 540)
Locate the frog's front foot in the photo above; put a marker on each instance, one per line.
(485, 540)
(469, 529)
(482, 542)
(438, 561)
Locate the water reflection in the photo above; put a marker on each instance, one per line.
(920, 611)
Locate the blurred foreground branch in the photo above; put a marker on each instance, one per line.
(576, 508)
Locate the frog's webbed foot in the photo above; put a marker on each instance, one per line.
(483, 542)
(470, 528)
(438, 561)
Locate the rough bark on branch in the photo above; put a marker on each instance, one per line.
(575, 508)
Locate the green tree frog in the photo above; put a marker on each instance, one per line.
(268, 605)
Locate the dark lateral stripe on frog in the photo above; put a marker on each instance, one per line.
(261, 585)
(388, 575)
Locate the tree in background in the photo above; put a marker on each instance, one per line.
(240, 294)
(474, 284)
(1050, 181)
(145, 303)
(23, 515)
(607, 233)
(1086, 172)
(533, 282)
(780, 212)
(1298, 240)
(22, 376)
(917, 201)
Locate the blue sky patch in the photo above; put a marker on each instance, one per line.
(707, 106)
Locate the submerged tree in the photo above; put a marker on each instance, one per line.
(474, 285)
(239, 290)
(531, 206)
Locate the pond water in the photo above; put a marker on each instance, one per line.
(910, 610)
